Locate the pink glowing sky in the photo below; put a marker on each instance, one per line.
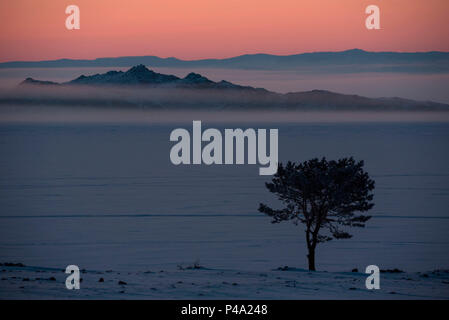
(35, 29)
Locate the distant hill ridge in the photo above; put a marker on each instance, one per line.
(354, 60)
(193, 91)
(141, 75)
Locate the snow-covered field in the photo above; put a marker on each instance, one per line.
(202, 283)
(106, 197)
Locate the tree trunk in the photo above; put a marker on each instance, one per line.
(311, 258)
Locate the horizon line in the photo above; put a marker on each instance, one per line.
(225, 58)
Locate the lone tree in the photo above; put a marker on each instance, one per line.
(323, 195)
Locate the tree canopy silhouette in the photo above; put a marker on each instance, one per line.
(323, 195)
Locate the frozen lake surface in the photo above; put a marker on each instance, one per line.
(106, 196)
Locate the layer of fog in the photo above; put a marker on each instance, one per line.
(86, 115)
(418, 86)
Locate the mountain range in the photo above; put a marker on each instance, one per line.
(349, 61)
(141, 75)
(144, 88)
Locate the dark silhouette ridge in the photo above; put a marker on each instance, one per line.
(354, 60)
(141, 75)
(195, 91)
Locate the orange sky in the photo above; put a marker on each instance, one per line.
(192, 29)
